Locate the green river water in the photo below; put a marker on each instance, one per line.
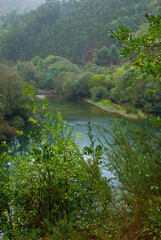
(78, 113)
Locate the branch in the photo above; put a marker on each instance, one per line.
(153, 46)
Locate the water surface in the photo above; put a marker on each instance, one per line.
(78, 113)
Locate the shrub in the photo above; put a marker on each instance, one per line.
(114, 95)
(18, 122)
(98, 93)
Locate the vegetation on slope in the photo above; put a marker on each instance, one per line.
(120, 85)
(73, 29)
(105, 86)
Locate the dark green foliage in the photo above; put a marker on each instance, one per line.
(18, 122)
(98, 93)
(12, 102)
(114, 95)
(29, 72)
(133, 156)
(114, 54)
(4, 190)
(82, 84)
(102, 56)
(71, 29)
(107, 56)
(144, 49)
(121, 85)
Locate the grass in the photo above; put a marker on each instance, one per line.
(126, 111)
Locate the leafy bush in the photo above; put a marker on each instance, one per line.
(18, 122)
(97, 81)
(114, 95)
(98, 93)
(133, 156)
(52, 59)
(82, 84)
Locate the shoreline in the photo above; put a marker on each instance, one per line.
(44, 94)
(113, 111)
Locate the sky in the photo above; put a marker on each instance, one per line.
(7, 6)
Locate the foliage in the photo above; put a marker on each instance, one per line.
(97, 80)
(107, 56)
(133, 156)
(122, 85)
(82, 84)
(145, 49)
(56, 190)
(102, 56)
(98, 93)
(12, 101)
(72, 29)
(51, 185)
(18, 122)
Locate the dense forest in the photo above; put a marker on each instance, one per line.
(106, 52)
(72, 29)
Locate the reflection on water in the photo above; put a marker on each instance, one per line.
(78, 113)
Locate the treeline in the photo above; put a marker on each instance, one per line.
(120, 85)
(73, 29)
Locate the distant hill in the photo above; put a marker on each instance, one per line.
(7, 6)
(75, 29)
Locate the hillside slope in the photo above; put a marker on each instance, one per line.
(72, 29)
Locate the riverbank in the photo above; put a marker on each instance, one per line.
(108, 106)
(103, 104)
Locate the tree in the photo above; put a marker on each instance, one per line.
(145, 51)
(97, 80)
(52, 183)
(98, 93)
(82, 84)
(114, 53)
(134, 154)
(102, 56)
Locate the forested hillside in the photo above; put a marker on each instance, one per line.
(72, 29)
(7, 6)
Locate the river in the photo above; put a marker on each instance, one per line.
(78, 113)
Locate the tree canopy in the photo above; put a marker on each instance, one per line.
(144, 51)
(71, 29)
